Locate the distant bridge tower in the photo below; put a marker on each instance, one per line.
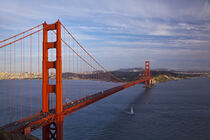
(147, 74)
(55, 129)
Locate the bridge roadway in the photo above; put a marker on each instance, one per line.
(41, 119)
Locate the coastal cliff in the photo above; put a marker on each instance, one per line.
(164, 78)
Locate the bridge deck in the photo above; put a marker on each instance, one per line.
(41, 119)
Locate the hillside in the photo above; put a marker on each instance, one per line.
(125, 75)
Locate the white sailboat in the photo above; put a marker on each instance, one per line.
(132, 112)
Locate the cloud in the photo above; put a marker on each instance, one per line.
(141, 29)
(135, 57)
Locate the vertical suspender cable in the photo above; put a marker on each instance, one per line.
(77, 77)
(5, 83)
(10, 84)
(69, 74)
(73, 73)
(64, 66)
(80, 71)
(31, 72)
(38, 74)
(15, 77)
(91, 81)
(21, 71)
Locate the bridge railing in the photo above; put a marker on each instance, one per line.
(21, 58)
(21, 72)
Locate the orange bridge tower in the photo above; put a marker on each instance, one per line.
(55, 129)
(147, 74)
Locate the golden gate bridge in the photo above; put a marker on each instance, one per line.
(50, 55)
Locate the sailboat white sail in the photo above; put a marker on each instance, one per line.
(132, 112)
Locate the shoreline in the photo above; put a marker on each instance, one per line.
(157, 76)
(165, 78)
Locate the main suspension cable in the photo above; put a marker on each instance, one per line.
(20, 33)
(21, 38)
(90, 54)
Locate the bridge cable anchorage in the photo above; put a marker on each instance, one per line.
(91, 55)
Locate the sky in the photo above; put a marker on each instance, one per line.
(124, 33)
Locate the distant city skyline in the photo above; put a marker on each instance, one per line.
(124, 33)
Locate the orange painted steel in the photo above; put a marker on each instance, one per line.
(147, 74)
(78, 55)
(20, 38)
(45, 119)
(20, 33)
(118, 79)
(46, 87)
(51, 119)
